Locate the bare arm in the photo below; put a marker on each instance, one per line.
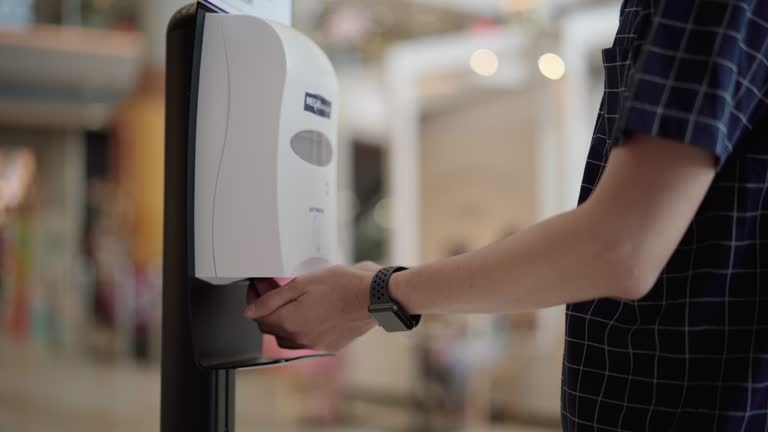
(615, 245)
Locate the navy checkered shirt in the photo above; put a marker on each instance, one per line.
(693, 354)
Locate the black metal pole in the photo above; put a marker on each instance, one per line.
(192, 399)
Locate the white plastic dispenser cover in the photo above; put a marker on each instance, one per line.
(265, 152)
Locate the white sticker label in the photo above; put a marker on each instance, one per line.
(275, 10)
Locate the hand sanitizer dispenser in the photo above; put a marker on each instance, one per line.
(250, 173)
(265, 152)
(250, 192)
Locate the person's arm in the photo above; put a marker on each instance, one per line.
(614, 245)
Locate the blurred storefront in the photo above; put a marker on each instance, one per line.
(456, 131)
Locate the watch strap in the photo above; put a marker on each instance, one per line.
(380, 293)
(380, 285)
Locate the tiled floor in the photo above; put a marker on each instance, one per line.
(40, 394)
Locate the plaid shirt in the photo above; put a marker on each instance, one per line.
(693, 354)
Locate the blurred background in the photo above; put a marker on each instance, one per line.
(462, 123)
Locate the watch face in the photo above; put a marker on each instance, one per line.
(389, 322)
(389, 319)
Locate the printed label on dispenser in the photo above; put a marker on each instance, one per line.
(318, 105)
(275, 10)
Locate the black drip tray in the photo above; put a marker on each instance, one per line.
(262, 362)
(222, 337)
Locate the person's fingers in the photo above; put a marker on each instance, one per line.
(283, 341)
(283, 281)
(271, 330)
(288, 344)
(259, 287)
(265, 285)
(272, 301)
(251, 295)
(281, 335)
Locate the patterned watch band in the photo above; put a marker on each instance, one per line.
(380, 289)
(380, 285)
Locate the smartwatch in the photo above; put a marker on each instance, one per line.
(390, 315)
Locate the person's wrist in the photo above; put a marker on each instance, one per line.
(363, 294)
(397, 290)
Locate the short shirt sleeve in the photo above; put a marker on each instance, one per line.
(701, 74)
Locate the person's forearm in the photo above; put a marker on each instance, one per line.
(565, 259)
(614, 245)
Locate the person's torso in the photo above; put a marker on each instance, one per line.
(693, 354)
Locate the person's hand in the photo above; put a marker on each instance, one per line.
(323, 311)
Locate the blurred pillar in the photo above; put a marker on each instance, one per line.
(138, 132)
(137, 140)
